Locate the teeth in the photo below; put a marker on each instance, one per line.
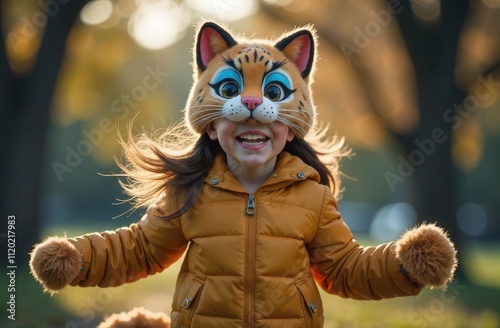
(252, 137)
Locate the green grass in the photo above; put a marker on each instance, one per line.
(483, 263)
(470, 304)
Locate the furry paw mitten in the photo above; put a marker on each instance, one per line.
(55, 263)
(427, 255)
(138, 317)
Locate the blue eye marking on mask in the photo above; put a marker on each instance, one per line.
(278, 77)
(277, 86)
(227, 83)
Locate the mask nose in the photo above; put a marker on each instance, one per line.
(251, 102)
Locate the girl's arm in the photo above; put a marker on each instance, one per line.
(110, 258)
(341, 266)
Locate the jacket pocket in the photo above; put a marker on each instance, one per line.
(189, 303)
(308, 305)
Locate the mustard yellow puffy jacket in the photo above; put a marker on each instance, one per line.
(252, 260)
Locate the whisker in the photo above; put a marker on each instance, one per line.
(286, 115)
(296, 125)
(210, 116)
(206, 106)
(205, 109)
(290, 109)
(204, 112)
(215, 104)
(206, 118)
(291, 124)
(293, 116)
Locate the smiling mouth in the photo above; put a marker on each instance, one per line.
(252, 139)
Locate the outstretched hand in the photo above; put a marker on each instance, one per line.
(55, 263)
(428, 255)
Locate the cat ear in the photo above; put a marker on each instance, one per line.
(212, 40)
(298, 47)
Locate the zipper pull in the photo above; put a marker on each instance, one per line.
(250, 205)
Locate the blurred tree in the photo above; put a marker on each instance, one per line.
(25, 103)
(408, 66)
(433, 52)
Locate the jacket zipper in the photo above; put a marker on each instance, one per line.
(250, 263)
(250, 205)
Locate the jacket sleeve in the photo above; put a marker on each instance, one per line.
(112, 258)
(341, 266)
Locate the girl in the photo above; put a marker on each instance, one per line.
(252, 201)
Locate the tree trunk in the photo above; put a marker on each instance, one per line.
(26, 103)
(433, 52)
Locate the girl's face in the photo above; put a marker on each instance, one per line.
(250, 144)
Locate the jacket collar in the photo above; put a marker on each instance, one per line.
(289, 169)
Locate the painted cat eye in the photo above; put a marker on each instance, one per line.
(227, 83)
(274, 92)
(277, 86)
(228, 89)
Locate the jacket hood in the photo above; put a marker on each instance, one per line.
(289, 169)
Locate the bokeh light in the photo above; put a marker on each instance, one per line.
(96, 12)
(158, 24)
(472, 219)
(427, 10)
(391, 220)
(227, 10)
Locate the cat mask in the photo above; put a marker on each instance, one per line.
(240, 79)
